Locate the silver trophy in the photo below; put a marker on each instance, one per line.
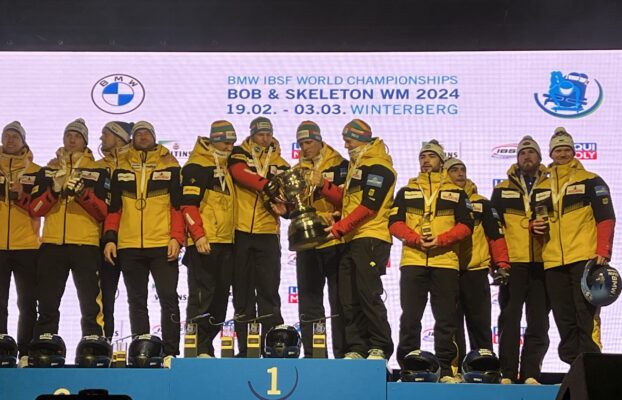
(306, 230)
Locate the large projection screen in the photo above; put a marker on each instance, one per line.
(478, 105)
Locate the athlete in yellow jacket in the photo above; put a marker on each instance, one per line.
(145, 224)
(485, 249)
(525, 287)
(71, 193)
(257, 259)
(208, 206)
(365, 202)
(319, 267)
(115, 139)
(19, 234)
(580, 226)
(431, 215)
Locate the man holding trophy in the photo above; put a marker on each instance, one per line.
(257, 254)
(365, 202)
(317, 266)
(575, 222)
(71, 194)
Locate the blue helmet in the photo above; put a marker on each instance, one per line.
(8, 352)
(47, 351)
(146, 351)
(282, 341)
(600, 284)
(420, 366)
(94, 352)
(481, 366)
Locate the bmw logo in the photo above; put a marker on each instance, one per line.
(118, 94)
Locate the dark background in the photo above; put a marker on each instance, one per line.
(299, 25)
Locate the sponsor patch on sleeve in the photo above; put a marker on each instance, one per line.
(107, 184)
(495, 213)
(192, 190)
(601, 191)
(478, 207)
(343, 172)
(374, 180)
(161, 176)
(576, 189)
(357, 174)
(453, 196)
(510, 194)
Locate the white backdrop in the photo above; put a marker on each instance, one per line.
(478, 105)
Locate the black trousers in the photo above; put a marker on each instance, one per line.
(578, 322)
(23, 265)
(136, 264)
(109, 281)
(314, 270)
(525, 288)
(442, 285)
(209, 284)
(54, 264)
(360, 291)
(474, 307)
(256, 280)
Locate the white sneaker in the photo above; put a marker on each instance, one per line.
(450, 379)
(23, 362)
(204, 355)
(353, 355)
(166, 363)
(531, 381)
(506, 381)
(376, 354)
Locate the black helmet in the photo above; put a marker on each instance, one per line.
(8, 351)
(481, 366)
(47, 351)
(146, 351)
(420, 366)
(600, 284)
(282, 341)
(94, 352)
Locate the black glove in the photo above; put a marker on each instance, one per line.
(500, 276)
(272, 189)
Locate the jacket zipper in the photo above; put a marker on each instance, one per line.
(559, 217)
(7, 192)
(65, 211)
(427, 254)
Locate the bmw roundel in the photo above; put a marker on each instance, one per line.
(118, 94)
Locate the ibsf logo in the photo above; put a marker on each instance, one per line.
(295, 151)
(118, 94)
(586, 151)
(292, 294)
(570, 96)
(504, 151)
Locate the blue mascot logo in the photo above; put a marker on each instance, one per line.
(570, 96)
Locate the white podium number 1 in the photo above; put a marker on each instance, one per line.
(274, 376)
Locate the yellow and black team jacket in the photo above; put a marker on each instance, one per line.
(370, 182)
(208, 197)
(576, 200)
(110, 161)
(246, 165)
(512, 203)
(145, 199)
(448, 206)
(334, 168)
(19, 230)
(474, 253)
(71, 220)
